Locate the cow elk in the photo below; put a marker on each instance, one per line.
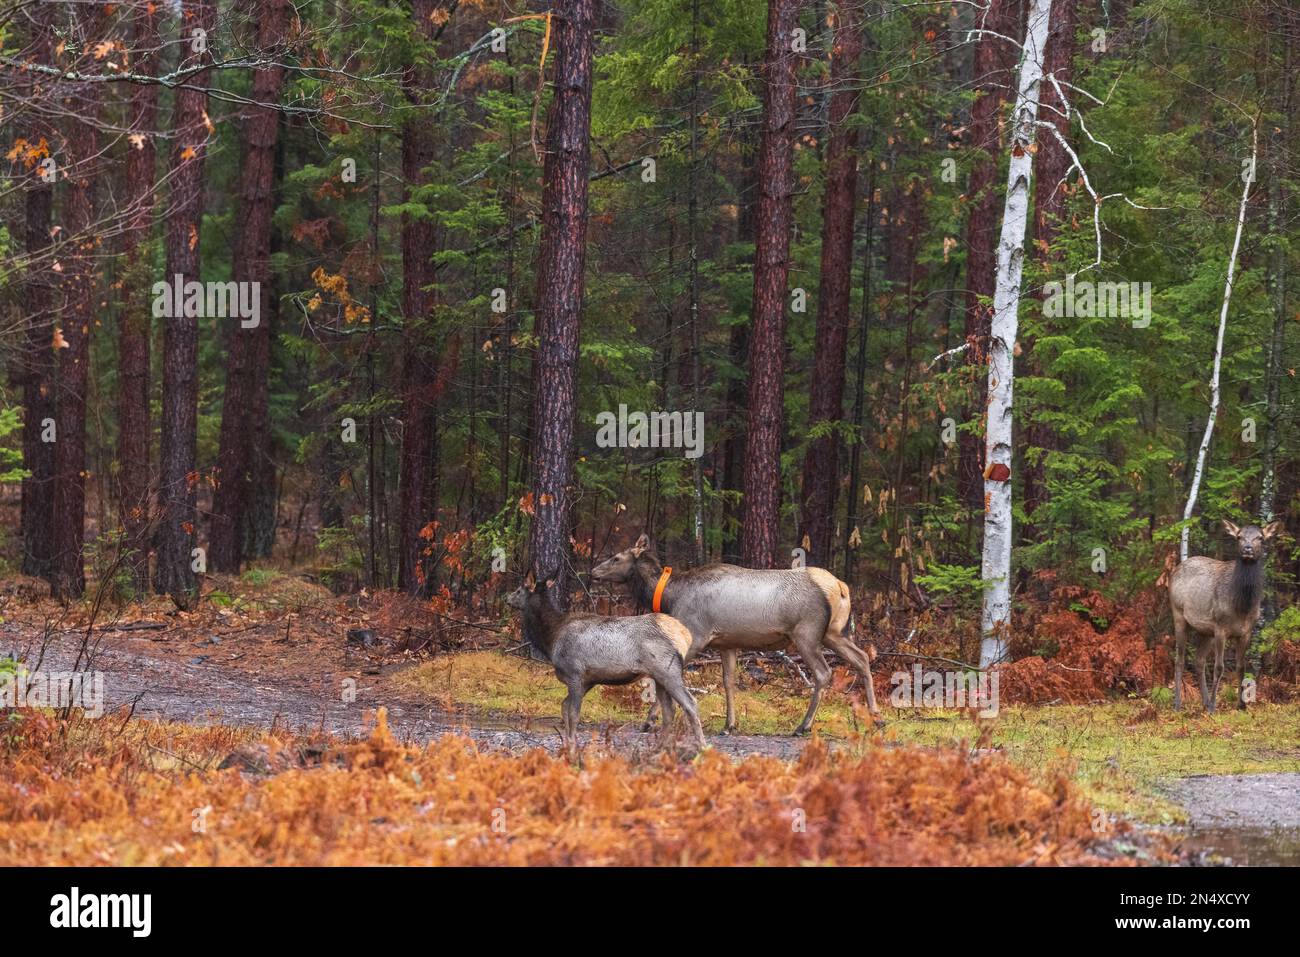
(1218, 601)
(738, 609)
(588, 650)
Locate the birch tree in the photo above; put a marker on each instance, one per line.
(996, 568)
(1202, 452)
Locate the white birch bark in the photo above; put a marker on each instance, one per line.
(996, 568)
(1203, 451)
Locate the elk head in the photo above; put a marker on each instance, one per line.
(519, 597)
(619, 569)
(1251, 539)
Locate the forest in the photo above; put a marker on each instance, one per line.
(325, 325)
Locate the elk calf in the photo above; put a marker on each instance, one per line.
(735, 609)
(589, 650)
(1216, 601)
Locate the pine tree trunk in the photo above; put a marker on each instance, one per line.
(560, 288)
(995, 58)
(261, 494)
(1049, 209)
(252, 261)
(697, 469)
(135, 323)
(996, 571)
(854, 500)
(37, 369)
(733, 448)
(839, 206)
(762, 481)
(177, 532)
(1274, 370)
(419, 242)
(80, 310)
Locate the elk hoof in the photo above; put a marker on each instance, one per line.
(879, 723)
(729, 729)
(647, 727)
(799, 732)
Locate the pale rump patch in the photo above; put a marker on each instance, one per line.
(837, 598)
(675, 632)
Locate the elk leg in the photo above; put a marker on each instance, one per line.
(1180, 656)
(649, 723)
(1220, 648)
(1243, 645)
(809, 647)
(729, 687)
(666, 735)
(571, 710)
(677, 692)
(1202, 653)
(860, 661)
(698, 641)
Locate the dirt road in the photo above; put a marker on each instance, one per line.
(201, 689)
(1245, 819)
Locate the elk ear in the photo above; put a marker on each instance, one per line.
(643, 542)
(1231, 529)
(1273, 529)
(529, 580)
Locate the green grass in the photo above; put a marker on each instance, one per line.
(492, 682)
(1120, 752)
(1123, 751)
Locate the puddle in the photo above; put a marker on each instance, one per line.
(1242, 819)
(1245, 846)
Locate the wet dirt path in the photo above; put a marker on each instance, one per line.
(1248, 819)
(1242, 819)
(200, 690)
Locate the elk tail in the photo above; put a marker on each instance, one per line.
(845, 602)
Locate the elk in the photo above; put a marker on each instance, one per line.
(1217, 601)
(588, 650)
(737, 609)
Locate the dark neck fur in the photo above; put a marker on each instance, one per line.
(645, 576)
(1247, 584)
(540, 624)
